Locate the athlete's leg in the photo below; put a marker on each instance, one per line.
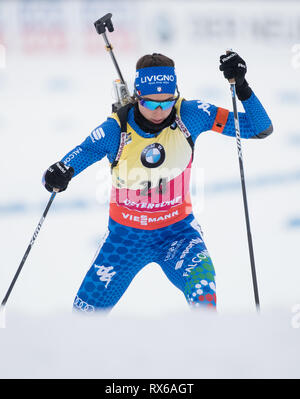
(186, 262)
(116, 263)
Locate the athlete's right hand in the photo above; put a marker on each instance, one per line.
(57, 177)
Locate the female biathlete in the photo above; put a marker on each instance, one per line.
(150, 147)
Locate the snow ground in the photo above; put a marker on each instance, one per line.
(49, 104)
(182, 345)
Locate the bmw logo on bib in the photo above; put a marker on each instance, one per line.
(153, 155)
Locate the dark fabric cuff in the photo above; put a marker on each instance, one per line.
(244, 91)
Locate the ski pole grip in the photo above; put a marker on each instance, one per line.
(103, 23)
(231, 81)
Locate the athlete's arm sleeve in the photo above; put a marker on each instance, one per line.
(254, 122)
(103, 141)
(199, 116)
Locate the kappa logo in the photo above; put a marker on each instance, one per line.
(105, 273)
(204, 106)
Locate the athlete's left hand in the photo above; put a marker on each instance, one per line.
(233, 66)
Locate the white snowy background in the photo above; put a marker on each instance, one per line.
(55, 87)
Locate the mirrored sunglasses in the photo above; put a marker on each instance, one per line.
(152, 105)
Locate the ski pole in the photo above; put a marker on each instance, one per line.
(240, 156)
(123, 95)
(101, 25)
(35, 234)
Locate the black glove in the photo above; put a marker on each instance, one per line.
(233, 66)
(57, 176)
